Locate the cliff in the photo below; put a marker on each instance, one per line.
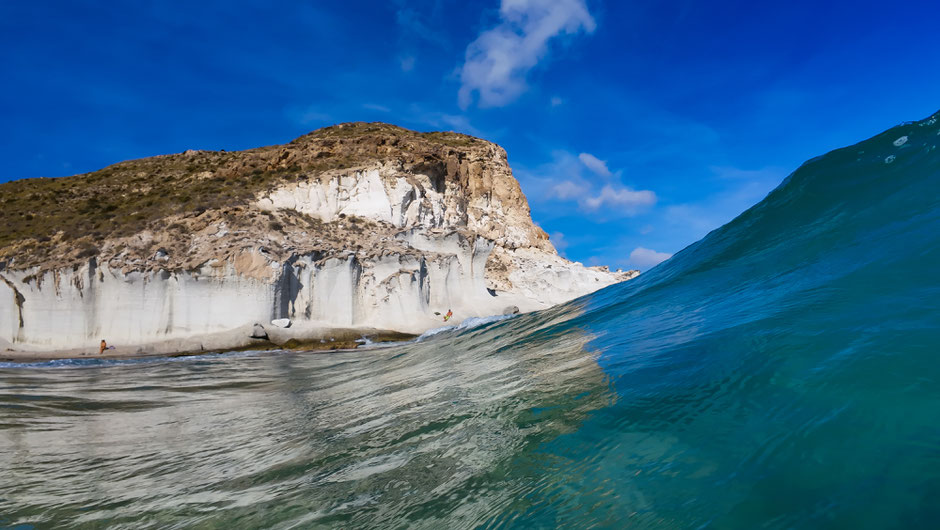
(353, 226)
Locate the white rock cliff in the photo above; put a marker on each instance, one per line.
(409, 229)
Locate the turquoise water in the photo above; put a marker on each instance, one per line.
(782, 372)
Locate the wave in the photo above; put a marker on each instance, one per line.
(783, 370)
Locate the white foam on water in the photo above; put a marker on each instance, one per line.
(900, 141)
(889, 159)
(471, 322)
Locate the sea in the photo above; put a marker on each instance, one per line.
(782, 372)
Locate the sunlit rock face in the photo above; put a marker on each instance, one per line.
(404, 226)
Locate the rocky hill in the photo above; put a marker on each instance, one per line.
(352, 226)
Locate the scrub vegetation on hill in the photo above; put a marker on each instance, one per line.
(43, 217)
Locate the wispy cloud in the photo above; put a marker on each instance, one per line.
(733, 173)
(629, 202)
(375, 106)
(556, 101)
(645, 258)
(674, 226)
(498, 61)
(594, 164)
(421, 22)
(587, 181)
(567, 190)
(744, 189)
(309, 115)
(444, 121)
(406, 63)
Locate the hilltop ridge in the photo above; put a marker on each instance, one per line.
(51, 222)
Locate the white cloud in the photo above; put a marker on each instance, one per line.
(556, 101)
(567, 190)
(560, 176)
(566, 179)
(594, 164)
(628, 201)
(498, 61)
(645, 258)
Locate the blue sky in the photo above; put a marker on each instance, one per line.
(635, 127)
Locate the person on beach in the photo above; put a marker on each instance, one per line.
(448, 315)
(104, 346)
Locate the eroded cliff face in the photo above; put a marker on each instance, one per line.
(362, 226)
